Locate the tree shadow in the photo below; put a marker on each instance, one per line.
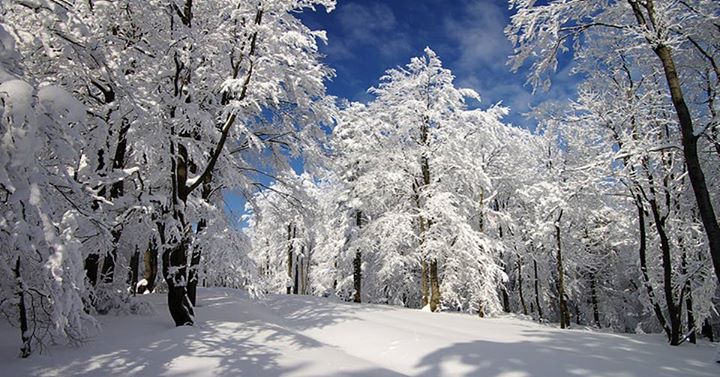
(309, 312)
(234, 337)
(567, 353)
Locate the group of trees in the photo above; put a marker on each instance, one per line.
(603, 216)
(122, 123)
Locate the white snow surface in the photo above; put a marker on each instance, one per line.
(283, 335)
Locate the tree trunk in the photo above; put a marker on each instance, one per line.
(593, 298)
(424, 286)
(197, 251)
(134, 271)
(193, 274)
(297, 272)
(537, 290)
(179, 304)
(520, 287)
(290, 257)
(689, 303)
(504, 292)
(357, 264)
(643, 267)
(117, 190)
(707, 331)
(674, 310)
(434, 286)
(92, 265)
(692, 160)
(194, 265)
(150, 262)
(564, 314)
(26, 349)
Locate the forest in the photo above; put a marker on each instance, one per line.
(125, 124)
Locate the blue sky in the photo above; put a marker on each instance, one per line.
(367, 37)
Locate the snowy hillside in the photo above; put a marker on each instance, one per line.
(310, 336)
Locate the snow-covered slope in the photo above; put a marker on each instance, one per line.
(310, 336)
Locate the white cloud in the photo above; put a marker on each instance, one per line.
(481, 61)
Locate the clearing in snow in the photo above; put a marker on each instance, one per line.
(283, 335)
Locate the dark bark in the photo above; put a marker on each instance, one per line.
(134, 271)
(196, 255)
(181, 308)
(504, 292)
(674, 310)
(92, 265)
(643, 267)
(520, 287)
(290, 258)
(707, 331)
(150, 262)
(26, 348)
(424, 286)
(434, 286)
(357, 264)
(117, 190)
(594, 300)
(563, 309)
(692, 160)
(194, 265)
(691, 331)
(298, 271)
(537, 290)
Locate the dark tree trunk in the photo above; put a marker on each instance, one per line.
(564, 313)
(298, 271)
(150, 262)
(537, 290)
(643, 267)
(134, 271)
(194, 265)
(26, 348)
(117, 190)
(357, 264)
(92, 265)
(424, 286)
(692, 160)
(434, 286)
(674, 310)
(692, 332)
(505, 300)
(503, 287)
(520, 287)
(707, 331)
(181, 308)
(193, 275)
(196, 250)
(290, 258)
(593, 298)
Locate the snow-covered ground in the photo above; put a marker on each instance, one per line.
(310, 336)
